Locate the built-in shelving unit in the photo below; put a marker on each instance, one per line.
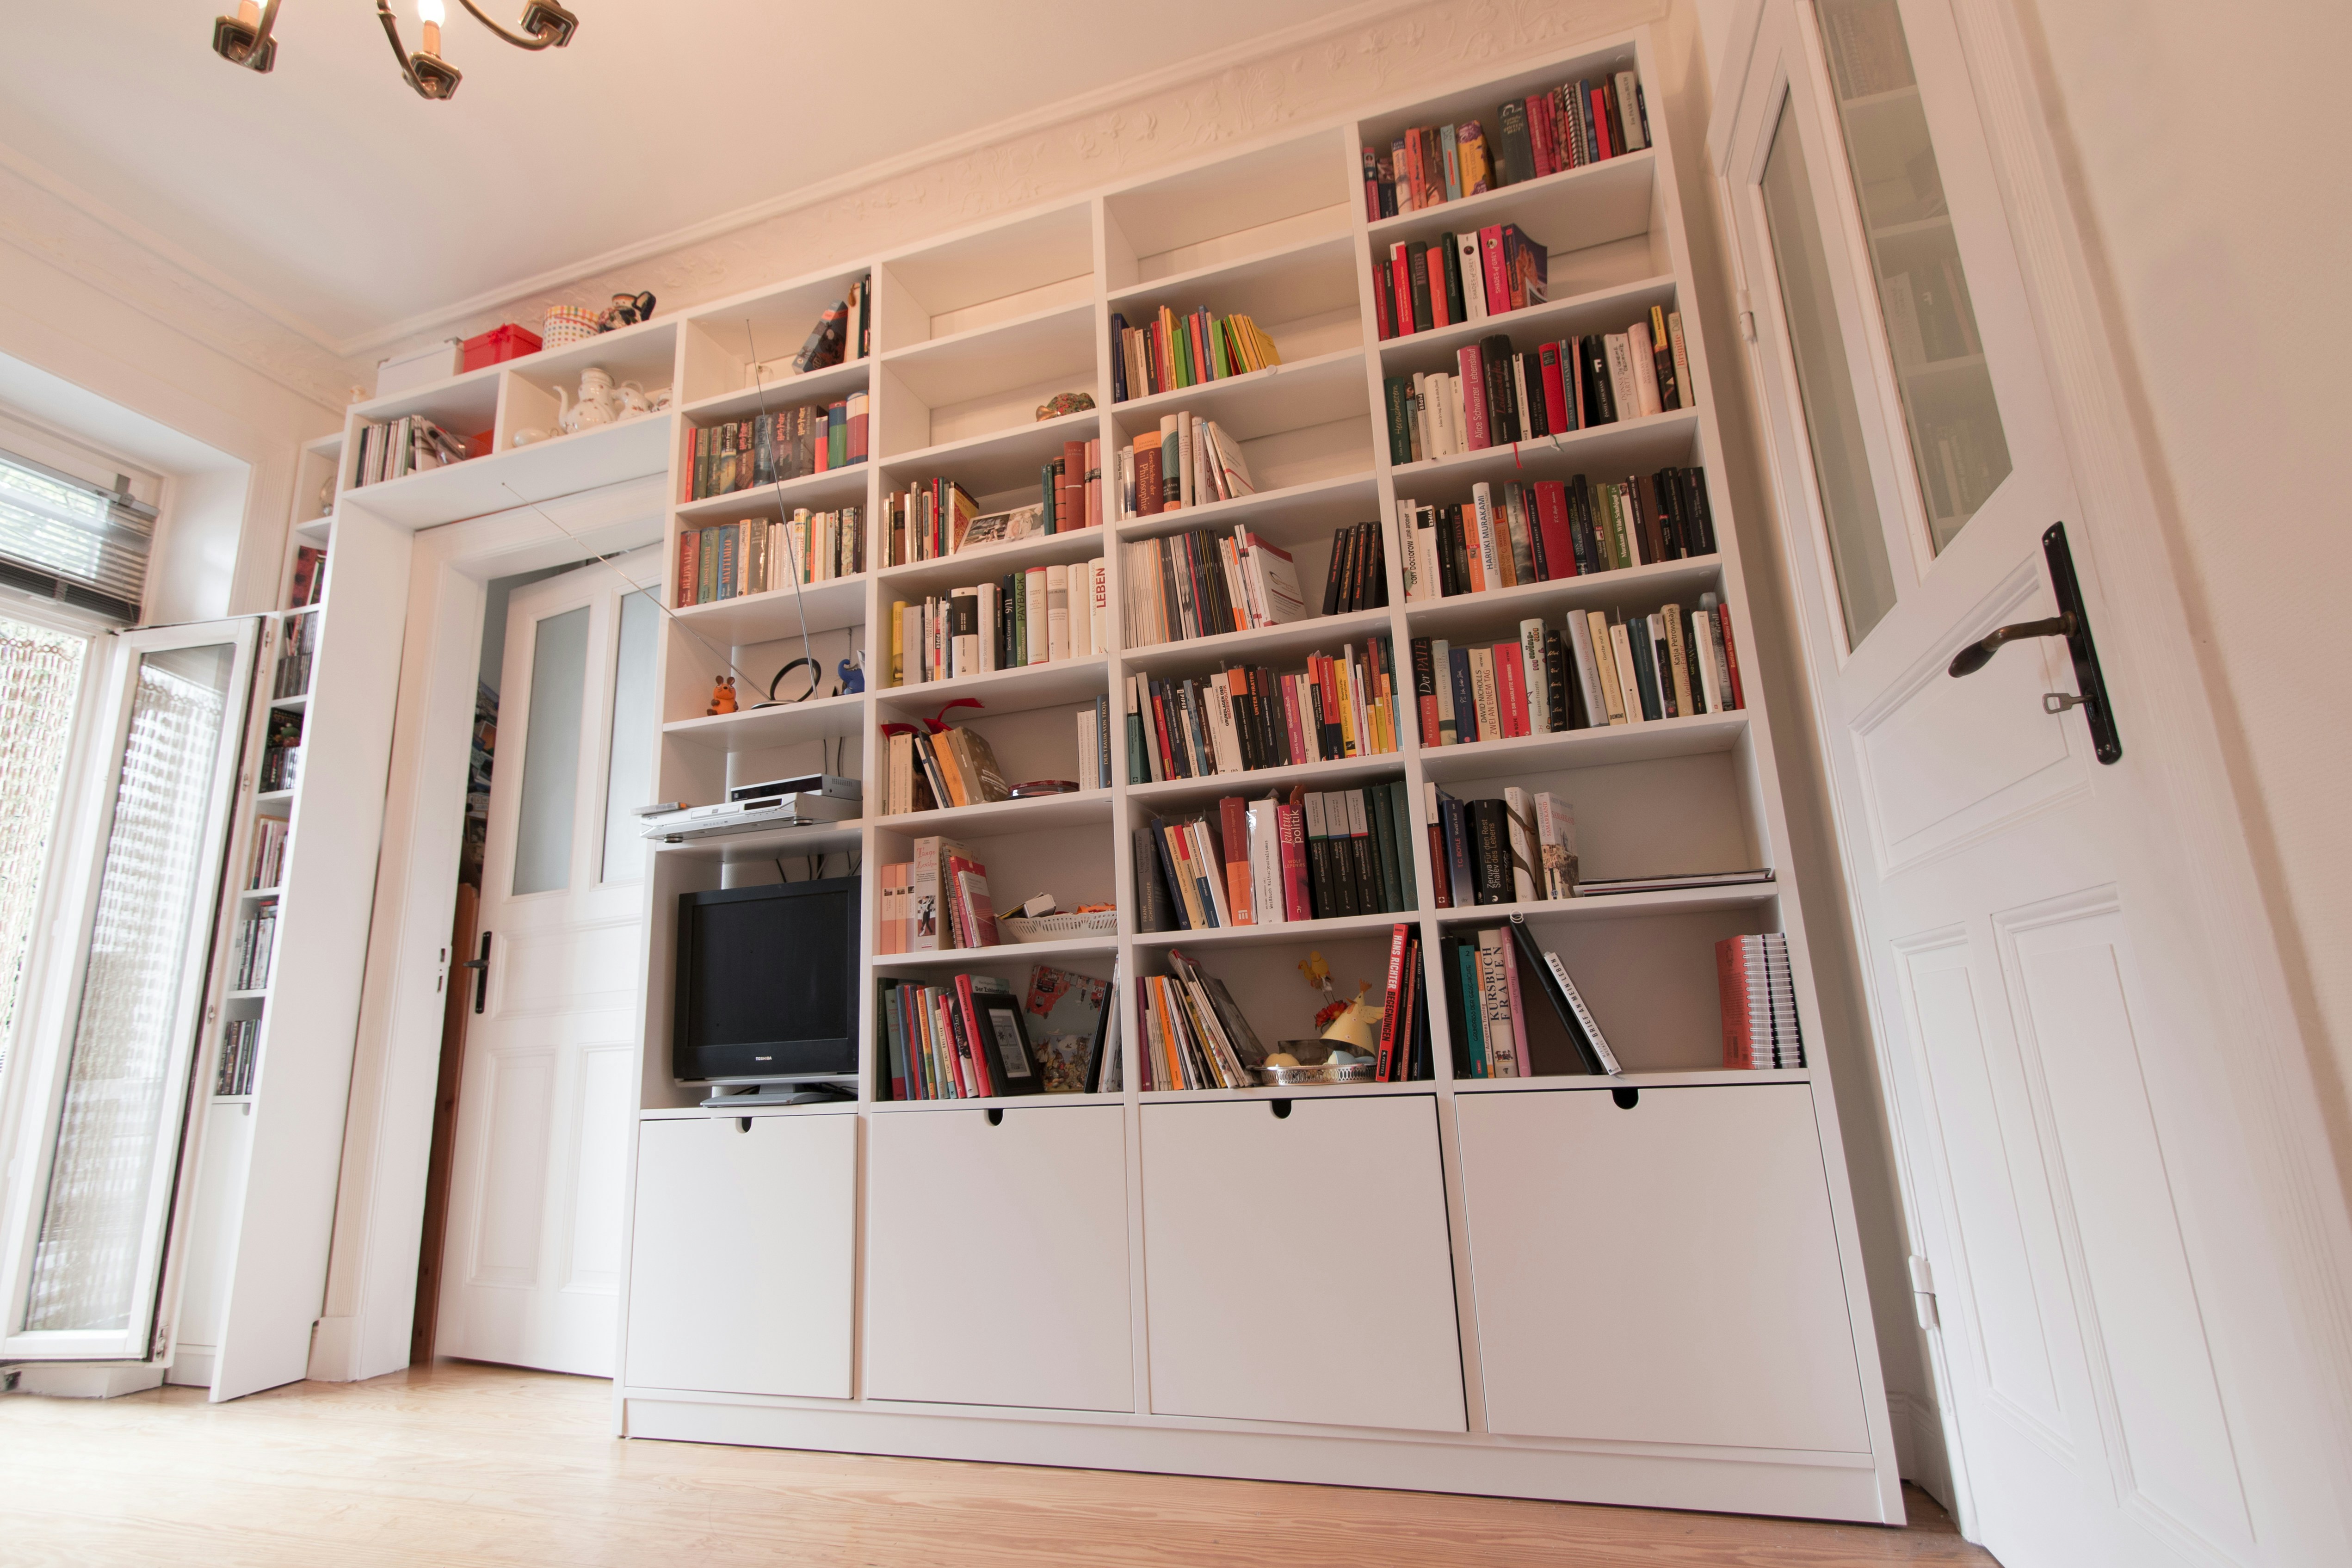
(1359, 1283)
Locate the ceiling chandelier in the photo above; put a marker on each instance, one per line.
(244, 39)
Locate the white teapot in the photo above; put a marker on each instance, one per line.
(630, 401)
(596, 405)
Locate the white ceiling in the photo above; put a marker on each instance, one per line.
(347, 205)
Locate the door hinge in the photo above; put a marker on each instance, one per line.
(1747, 318)
(1923, 1294)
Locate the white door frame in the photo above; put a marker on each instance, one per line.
(388, 1136)
(2128, 536)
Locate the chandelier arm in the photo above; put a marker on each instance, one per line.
(553, 27)
(392, 32)
(268, 20)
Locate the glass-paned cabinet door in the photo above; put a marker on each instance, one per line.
(1959, 448)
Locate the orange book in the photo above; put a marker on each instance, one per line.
(1233, 812)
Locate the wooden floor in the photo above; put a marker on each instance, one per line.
(464, 1466)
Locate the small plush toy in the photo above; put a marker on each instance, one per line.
(722, 697)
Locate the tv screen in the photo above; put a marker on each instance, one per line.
(767, 982)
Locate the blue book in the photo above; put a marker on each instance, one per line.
(1474, 1023)
(1465, 705)
(1117, 357)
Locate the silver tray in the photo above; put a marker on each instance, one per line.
(1317, 1072)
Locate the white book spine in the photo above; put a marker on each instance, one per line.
(1482, 498)
(1621, 643)
(1474, 277)
(1538, 687)
(1057, 612)
(1643, 362)
(1034, 584)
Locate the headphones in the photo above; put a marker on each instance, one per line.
(851, 672)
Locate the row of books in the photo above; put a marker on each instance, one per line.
(843, 330)
(1564, 127)
(926, 770)
(1358, 577)
(292, 676)
(239, 1039)
(1187, 461)
(1314, 855)
(1598, 671)
(309, 584)
(1095, 749)
(743, 454)
(1404, 1053)
(1421, 284)
(1039, 616)
(249, 956)
(760, 555)
(939, 517)
(409, 445)
(281, 752)
(1518, 848)
(1241, 719)
(1170, 351)
(1759, 1002)
(1554, 528)
(1493, 977)
(1190, 1032)
(1207, 582)
(1499, 396)
(1068, 1021)
(937, 901)
(270, 836)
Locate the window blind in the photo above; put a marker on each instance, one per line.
(63, 538)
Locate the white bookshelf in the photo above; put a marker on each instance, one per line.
(1363, 1286)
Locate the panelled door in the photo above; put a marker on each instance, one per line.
(2078, 1185)
(532, 1267)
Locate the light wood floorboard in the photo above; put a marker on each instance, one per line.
(473, 1466)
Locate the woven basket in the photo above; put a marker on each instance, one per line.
(568, 324)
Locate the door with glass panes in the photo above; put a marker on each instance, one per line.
(110, 1015)
(531, 1271)
(2075, 1188)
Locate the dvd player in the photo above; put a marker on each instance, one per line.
(678, 825)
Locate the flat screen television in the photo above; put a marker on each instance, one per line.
(767, 983)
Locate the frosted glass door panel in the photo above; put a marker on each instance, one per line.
(1957, 445)
(1842, 479)
(98, 1226)
(629, 762)
(550, 753)
(40, 686)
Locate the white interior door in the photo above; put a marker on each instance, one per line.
(533, 1265)
(107, 1056)
(2078, 1189)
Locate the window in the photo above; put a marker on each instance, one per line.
(40, 687)
(68, 539)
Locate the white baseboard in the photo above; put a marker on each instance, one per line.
(1919, 1455)
(85, 1380)
(331, 1348)
(191, 1365)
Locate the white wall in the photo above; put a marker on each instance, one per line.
(2205, 162)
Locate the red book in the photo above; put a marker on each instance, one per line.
(1383, 301)
(971, 1054)
(1385, 1062)
(1511, 688)
(1372, 187)
(1406, 994)
(1602, 143)
(1290, 826)
(1470, 363)
(1551, 520)
(1290, 718)
(1427, 705)
(1555, 389)
(1070, 489)
(1203, 366)
(1539, 135)
(1498, 275)
(1233, 816)
(1401, 286)
(1440, 870)
(1160, 725)
(1731, 654)
(1147, 477)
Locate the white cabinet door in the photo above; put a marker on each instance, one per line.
(1267, 1236)
(742, 1273)
(1659, 1273)
(996, 1257)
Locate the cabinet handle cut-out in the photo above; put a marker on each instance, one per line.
(996, 1116)
(742, 1124)
(1626, 1099)
(1281, 1109)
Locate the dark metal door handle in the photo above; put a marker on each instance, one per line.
(481, 968)
(2072, 623)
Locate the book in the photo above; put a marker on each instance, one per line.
(1545, 974)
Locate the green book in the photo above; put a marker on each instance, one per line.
(1401, 824)
(1466, 956)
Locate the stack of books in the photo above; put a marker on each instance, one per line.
(962, 1039)
(1359, 574)
(1039, 616)
(1242, 718)
(1404, 1054)
(927, 770)
(1421, 285)
(760, 555)
(1070, 490)
(1516, 1011)
(743, 454)
(250, 958)
(1496, 395)
(1521, 849)
(238, 1038)
(1206, 582)
(1193, 1034)
(939, 517)
(1759, 1002)
(292, 677)
(1187, 461)
(1603, 669)
(270, 834)
(1316, 854)
(405, 445)
(281, 752)
(1564, 127)
(843, 330)
(1170, 351)
(309, 577)
(936, 902)
(1553, 529)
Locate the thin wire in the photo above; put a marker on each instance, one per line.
(760, 385)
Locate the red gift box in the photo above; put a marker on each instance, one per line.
(500, 344)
